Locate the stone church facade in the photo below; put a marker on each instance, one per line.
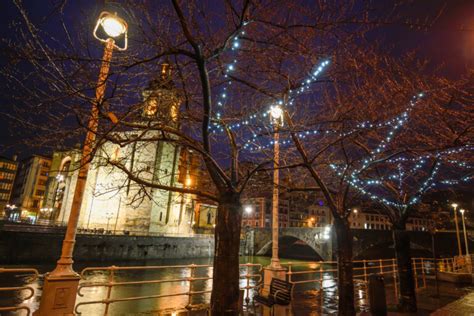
(114, 203)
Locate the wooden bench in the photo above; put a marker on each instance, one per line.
(280, 294)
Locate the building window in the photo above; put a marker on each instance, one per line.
(209, 218)
(35, 203)
(161, 216)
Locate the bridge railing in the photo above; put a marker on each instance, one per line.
(250, 274)
(22, 293)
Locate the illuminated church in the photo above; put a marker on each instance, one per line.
(113, 202)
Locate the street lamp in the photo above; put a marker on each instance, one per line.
(110, 27)
(455, 205)
(248, 210)
(464, 230)
(61, 284)
(109, 216)
(276, 116)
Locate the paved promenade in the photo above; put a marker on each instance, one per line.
(463, 306)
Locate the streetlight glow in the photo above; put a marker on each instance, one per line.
(113, 26)
(276, 112)
(188, 181)
(462, 211)
(455, 205)
(248, 209)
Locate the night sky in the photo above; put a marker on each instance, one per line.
(449, 43)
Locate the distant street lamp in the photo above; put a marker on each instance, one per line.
(109, 216)
(464, 230)
(455, 206)
(248, 210)
(61, 284)
(276, 116)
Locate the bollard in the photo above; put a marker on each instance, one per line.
(377, 301)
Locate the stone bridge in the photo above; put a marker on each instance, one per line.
(366, 243)
(258, 241)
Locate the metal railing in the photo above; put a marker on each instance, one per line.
(34, 276)
(60, 228)
(252, 272)
(118, 232)
(320, 271)
(458, 264)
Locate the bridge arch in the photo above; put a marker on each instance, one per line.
(260, 240)
(292, 247)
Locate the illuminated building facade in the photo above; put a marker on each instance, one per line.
(30, 187)
(115, 203)
(8, 168)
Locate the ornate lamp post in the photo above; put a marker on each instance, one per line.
(455, 206)
(275, 270)
(276, 114)
(60, 286)
(464, 231)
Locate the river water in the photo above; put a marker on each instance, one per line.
(97, 293)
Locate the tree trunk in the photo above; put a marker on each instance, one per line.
(345, 286)
(225, 282)
(407, 298)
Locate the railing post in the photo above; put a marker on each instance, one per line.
(321, 277)
(415, 275)
(247, 299)
(365, 271)
(395, 284)
(380, 265)
(289, 275)
(109, 289)
(191, 279)
(423, 272)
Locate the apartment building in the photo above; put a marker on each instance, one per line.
(8, 169)
(30, 187)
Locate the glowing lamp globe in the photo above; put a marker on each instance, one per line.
(276, 112)
(110, 28)
(113, 26)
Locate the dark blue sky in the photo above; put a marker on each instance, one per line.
(450, 42)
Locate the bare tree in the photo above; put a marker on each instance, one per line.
(232, 61)
(434, 149)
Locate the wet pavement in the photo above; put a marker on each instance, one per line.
(463, 306)
(453, 300)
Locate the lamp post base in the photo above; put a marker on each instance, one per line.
(269, 273)
(59, 295)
